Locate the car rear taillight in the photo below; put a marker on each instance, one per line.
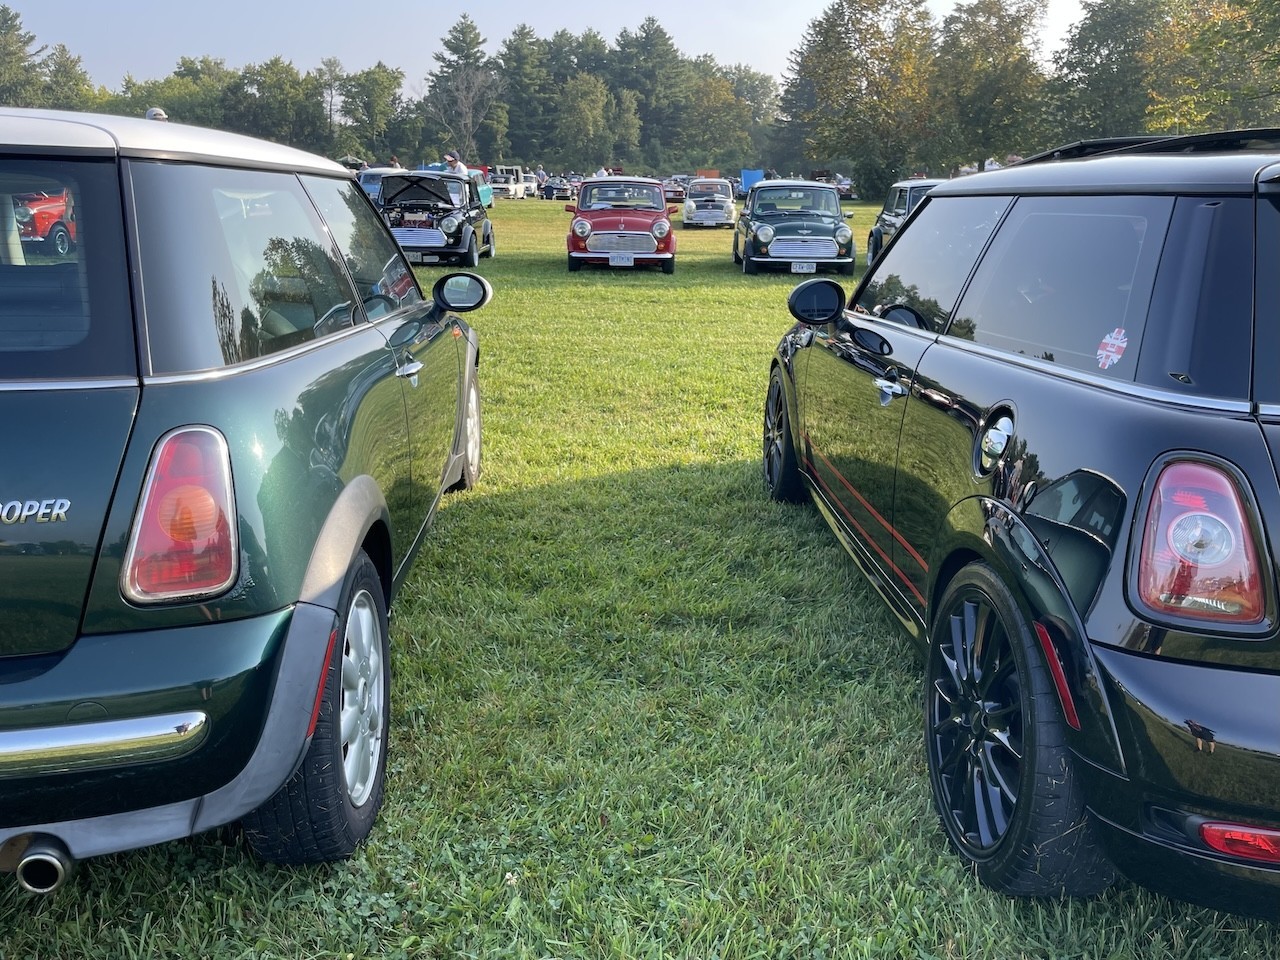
(1198, 557)
(1241, 840)
(183, 544)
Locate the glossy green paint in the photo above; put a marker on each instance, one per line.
(224, 670)
(52, 505)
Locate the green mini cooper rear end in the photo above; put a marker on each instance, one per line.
(231, 412)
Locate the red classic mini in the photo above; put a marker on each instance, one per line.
(621, 222)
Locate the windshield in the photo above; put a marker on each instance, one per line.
(798, 200)
(808, 200)
(710, 189)
(625, 196)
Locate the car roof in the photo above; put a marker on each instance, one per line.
(792, 183)
(918, 182)
(1127, 172)
(619, 178)
(94, 134)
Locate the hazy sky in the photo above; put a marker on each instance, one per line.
(145, 38)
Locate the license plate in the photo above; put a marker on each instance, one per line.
(421, 257)
(622, 259)
(804, 266)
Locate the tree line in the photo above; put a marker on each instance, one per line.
(877, 89)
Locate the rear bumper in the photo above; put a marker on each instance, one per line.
(1199, 743)
(253, 735)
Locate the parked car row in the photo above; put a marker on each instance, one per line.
(1044, 425)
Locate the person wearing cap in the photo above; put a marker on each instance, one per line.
(455, 165)
(157, 113)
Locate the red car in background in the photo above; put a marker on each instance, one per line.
(621, 222)
(46, 217)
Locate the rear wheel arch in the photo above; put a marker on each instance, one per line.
(976, 530)
(359, 520)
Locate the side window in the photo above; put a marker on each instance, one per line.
(899, 202)
(236, 265)
(64, 295)
(372, 255)
(919, 278)
(1068, 280)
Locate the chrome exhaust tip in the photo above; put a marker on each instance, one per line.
(44, 866)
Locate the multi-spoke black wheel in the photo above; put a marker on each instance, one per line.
(996, 748)
(782, 478)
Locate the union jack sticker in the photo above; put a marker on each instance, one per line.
(1111, 349)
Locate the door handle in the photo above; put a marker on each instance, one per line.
(888, 389)
(410, 369)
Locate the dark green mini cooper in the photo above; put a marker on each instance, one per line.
(231, 414)
(796, 224)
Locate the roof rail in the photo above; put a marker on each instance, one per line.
(1224, 141)
(1088, 148)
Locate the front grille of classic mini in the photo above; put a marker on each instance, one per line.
(804, 247)
(622, 243)
(418, 237)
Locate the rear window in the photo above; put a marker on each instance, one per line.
(64, 296)
(236, 265)
(1068, 280)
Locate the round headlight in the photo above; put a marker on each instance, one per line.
(661, 229)
(581, 229)
(450, 224)
(689, 208)
(764, 233)
(843, 234)
(22, 214)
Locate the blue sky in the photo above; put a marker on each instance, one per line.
(145, 38)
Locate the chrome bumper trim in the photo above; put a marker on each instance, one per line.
(109, 743)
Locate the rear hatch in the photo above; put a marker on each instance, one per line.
(68, 394)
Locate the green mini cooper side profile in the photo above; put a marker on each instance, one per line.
(231, 414)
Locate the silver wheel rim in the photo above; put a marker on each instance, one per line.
(473, 429)
(363, 698)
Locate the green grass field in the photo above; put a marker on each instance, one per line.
(639, 710)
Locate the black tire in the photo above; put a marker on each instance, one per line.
(60, 240)
(491, 248)
(873, 249)
(472, 259)
(749, 266)
(737, 257)
(328, 807)
(782, 480)
(574, 265)
(995, 745)
(669, 266)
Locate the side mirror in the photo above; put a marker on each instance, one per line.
(461, 292)
(817, 302)
(571, 208)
